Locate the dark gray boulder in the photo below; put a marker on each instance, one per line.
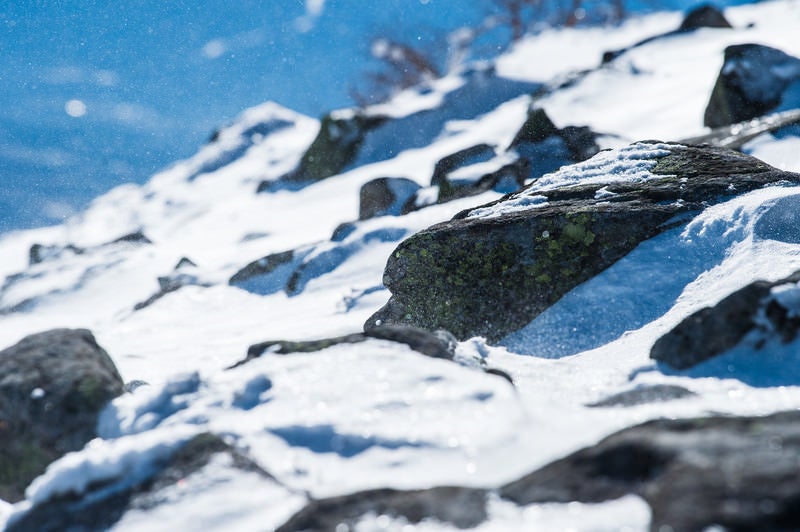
(137, 237)
(754, 80)
(712, 331)
(460, 507)
(53, 386)
(452, 188)
(737, 473)
(386, 196)
(524, 252)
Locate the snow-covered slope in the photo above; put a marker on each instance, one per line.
(376, 413)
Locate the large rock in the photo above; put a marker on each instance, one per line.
(525, 251)
(53, 386)
(696, 474)
(769, 307)
(754, 80)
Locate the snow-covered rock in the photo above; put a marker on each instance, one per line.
(527, 250)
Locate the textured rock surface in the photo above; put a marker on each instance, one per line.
(455, 275)
(751, 83)
(52, 388)
(739, 473)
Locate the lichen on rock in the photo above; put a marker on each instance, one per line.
(493, 269)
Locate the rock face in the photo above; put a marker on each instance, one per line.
(524, 252)
(754, 80)
(736, 473)
(763, 306)
(53, 386)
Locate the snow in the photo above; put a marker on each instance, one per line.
(631, 164)
(377, 414)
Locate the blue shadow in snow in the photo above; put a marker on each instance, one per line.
(634, 291)
(774, 365)
(325, 439)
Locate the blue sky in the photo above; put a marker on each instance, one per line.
(147, 82)
(97, 93)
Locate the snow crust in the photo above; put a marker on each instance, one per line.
(376, 414)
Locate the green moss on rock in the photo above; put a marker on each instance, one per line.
(492, 276)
